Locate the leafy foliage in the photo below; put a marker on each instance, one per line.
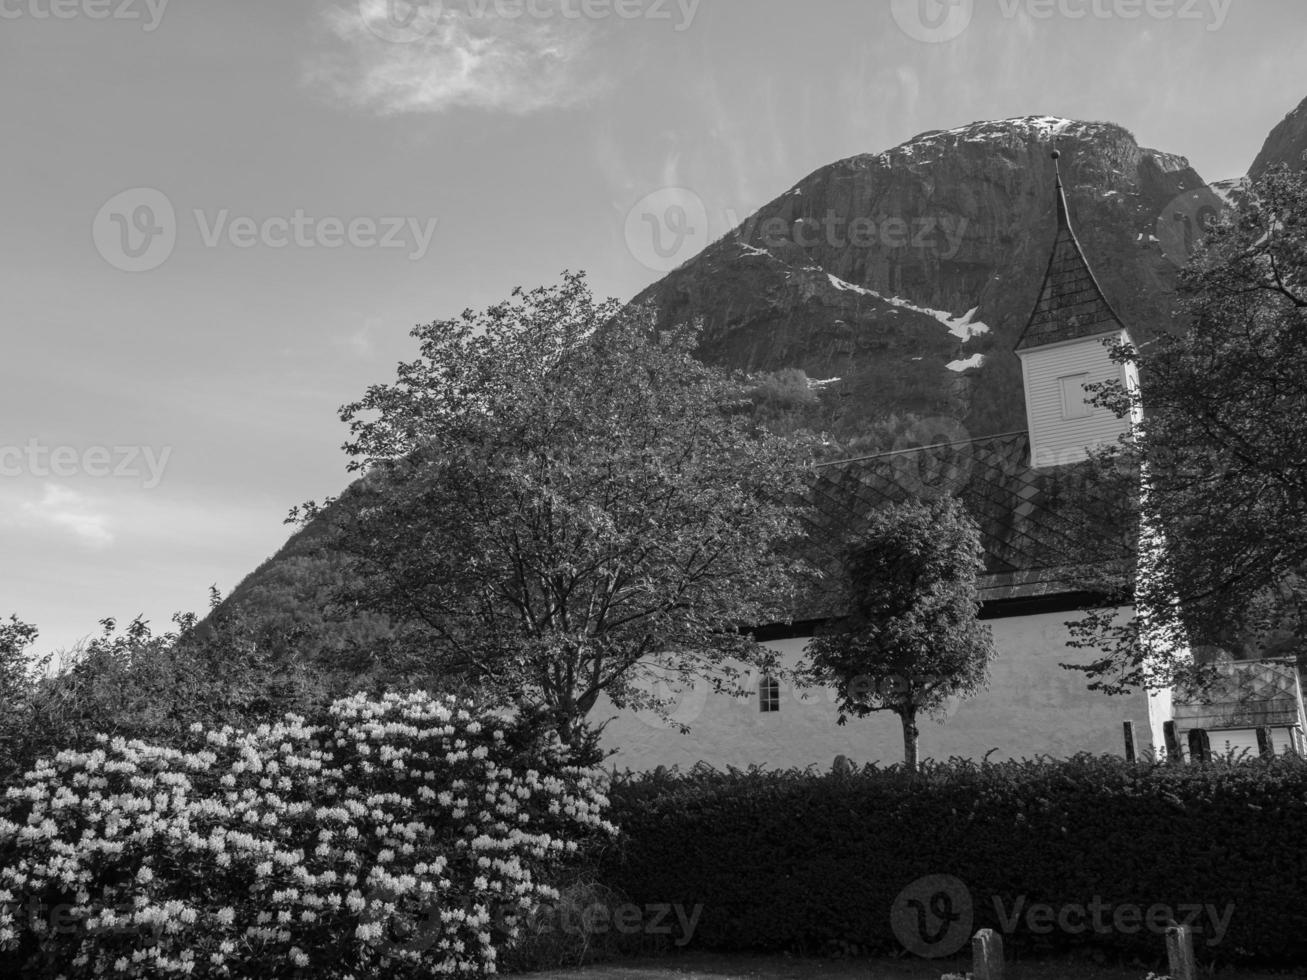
(1220, 449)
(911, 639)
(134, 683)
(15, 667)
(560, 502)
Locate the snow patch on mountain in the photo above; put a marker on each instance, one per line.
(1231, 191)
(963, 327)
(1039, 128)
(974, 361)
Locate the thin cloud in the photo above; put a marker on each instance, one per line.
(463, 60)
(65, 510)
(362, 342)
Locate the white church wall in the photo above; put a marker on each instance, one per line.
(1243, 742)
(1032, 707)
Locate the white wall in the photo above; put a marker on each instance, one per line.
(1055, 441)
(1242, 739)
(1032, 707)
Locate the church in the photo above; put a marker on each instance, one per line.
(1013, 485)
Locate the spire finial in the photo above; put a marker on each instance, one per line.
(1062, 215)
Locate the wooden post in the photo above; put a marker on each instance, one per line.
(1265, 746)
(1129, 731)
(1200, 748)
(987, 955)
(1173, 753)
(1180, 953)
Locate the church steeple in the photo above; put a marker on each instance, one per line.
(1062, 349)
(1071, 303)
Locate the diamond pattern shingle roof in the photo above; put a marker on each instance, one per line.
(1071, 304)
(1033, 522)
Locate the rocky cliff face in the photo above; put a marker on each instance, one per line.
(900, 282)
(908, 275)
(1286, 144)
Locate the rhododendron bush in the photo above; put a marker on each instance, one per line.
(400, 837)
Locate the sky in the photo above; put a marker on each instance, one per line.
(221, 218)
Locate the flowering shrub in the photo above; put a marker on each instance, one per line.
(406, 836)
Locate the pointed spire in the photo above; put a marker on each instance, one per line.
(1063, 216)
(1071, 304)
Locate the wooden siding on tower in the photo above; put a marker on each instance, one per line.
(1056, 440)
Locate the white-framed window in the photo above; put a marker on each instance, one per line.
(1074, 397)
(769, 694)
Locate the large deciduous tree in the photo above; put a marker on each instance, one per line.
(558, 501)
(1220, 457)
(911, 638)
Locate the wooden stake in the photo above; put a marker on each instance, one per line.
(987, 955)
(1200, 748)
(1180, 953)
(1173, 753)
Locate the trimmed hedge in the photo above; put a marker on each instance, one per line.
(800, 860)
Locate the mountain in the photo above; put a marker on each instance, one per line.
(908, 275)
(897, 282)
(1286, 144)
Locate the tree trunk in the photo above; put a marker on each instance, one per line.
(909, 720)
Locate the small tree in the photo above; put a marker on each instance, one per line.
(15, 666)
(911, 638)
(19, 673)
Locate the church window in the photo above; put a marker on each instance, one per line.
(1074, 404)
(769, 694)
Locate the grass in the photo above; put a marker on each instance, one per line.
(708, 966)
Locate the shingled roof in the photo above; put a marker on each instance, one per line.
(1038, 527)
(1071, 304)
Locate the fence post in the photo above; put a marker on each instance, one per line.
(1265, 746)
(1173, 753)
(987, 955)
(1129, 731)
(1180, 953)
